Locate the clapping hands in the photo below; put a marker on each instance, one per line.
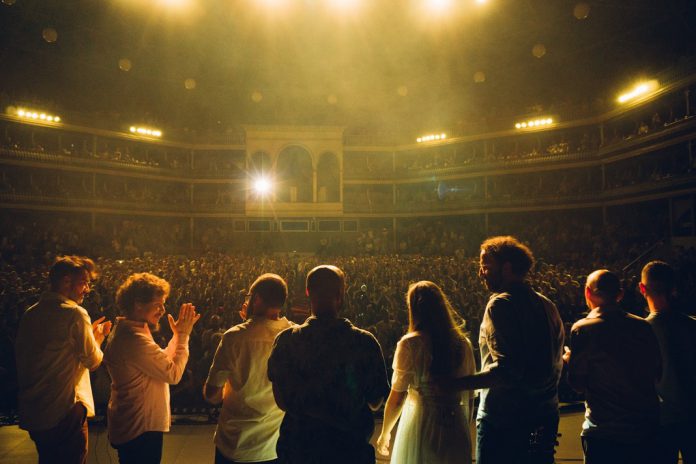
(101, 329)
(187, 319)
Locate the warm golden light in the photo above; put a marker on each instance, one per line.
(438, 6)
(146, 131)
(431, 138)
(640, 90)
(262, 186)
(534, 123)
(344, 5)
(41, 116)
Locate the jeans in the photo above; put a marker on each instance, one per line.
(600, 450)
(146, 448)
(532, 443)
(66, 443)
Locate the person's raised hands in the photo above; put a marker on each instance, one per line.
(187, 319)
(101, 329)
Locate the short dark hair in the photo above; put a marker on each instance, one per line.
(271, 288)
(508, 249)
(70, 265)
(141, 287)
(326, 281)
(659, 277)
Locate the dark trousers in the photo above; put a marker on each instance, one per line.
(675, 438)
(143, 449)
(521, 444)
(221, 459)
(66, 443)
(602, 451)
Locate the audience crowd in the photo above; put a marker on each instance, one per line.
(377, 278)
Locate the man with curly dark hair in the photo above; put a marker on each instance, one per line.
(521, 342)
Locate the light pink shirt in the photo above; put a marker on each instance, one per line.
(55, 348)
(140, 376)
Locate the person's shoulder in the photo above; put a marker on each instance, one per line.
(410, 339)
(292, 332)
(637, 321)
(586, 324)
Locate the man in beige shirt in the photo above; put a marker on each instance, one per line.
(141, 371)
(249, 422)
(56, 345)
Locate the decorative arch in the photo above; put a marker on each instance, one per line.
(328, 178)
(260, 163)
(294, 175)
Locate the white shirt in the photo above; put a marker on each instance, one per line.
(140, 376)
(55, 348)
(249, 421)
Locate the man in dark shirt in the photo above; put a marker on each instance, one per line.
(328, 376)
(676, 335)
(614, 360)
(521, 342)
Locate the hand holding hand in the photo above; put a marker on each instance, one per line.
(101, 329)
(383, 444)
(187, 319)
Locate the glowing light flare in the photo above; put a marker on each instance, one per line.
(642, 89)
(431, 138)
(175, 4)
(146, 131)
(262, 185)
(533, 123)
(438, 6)
(35, 115)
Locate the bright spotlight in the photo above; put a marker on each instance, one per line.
(262, 186)
(639, 90)
(438, 6)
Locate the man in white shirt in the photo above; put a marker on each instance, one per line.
(56, 345)
(249, 420)
(141, 371)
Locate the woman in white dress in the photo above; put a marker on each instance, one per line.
(434, 425)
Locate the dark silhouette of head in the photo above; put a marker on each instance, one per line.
(325, 289)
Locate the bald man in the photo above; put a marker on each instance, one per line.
(614, 359)
(328, 376)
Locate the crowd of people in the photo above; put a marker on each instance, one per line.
(534, 302)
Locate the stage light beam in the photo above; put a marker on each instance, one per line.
(262, 186)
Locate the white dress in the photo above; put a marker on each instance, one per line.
(434, 427)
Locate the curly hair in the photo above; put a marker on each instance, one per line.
(142, 287)
(508, 249)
